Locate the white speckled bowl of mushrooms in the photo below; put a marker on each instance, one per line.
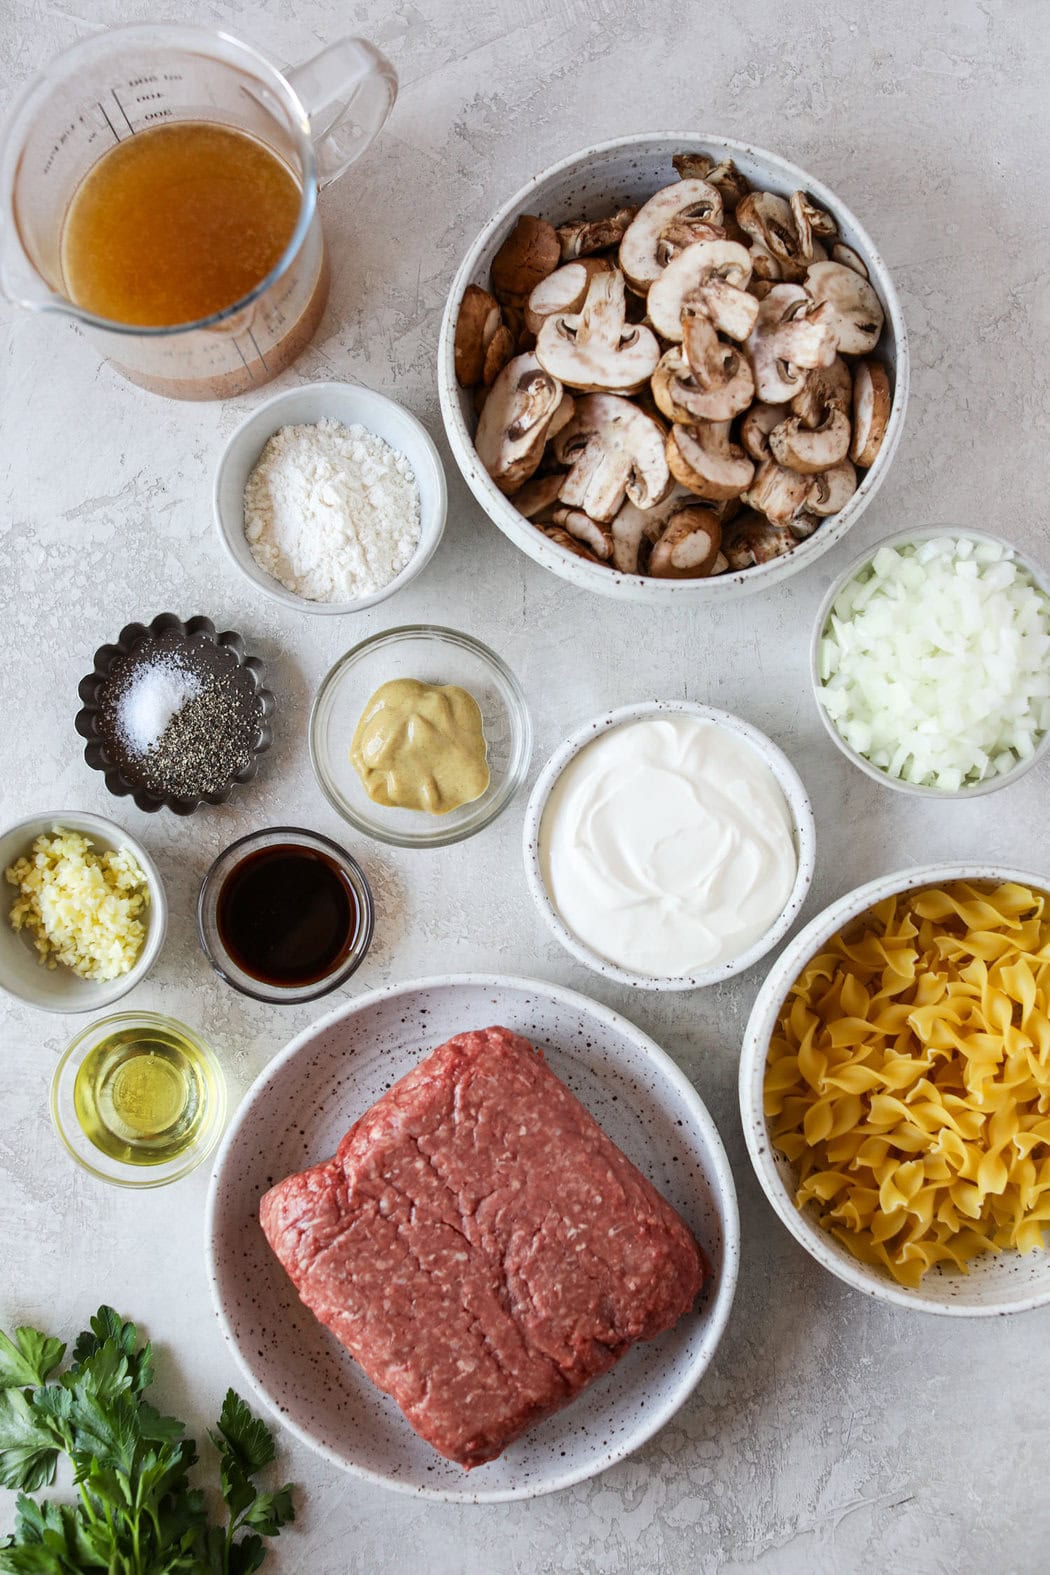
(673, 368)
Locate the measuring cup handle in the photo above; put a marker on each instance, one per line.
(348, 90)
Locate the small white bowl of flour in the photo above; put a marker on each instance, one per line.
(330, 498)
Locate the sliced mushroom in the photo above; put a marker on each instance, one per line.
(811, 449)
(615, 451)
(757, 425)
(538, 494)
(498, 352)
(872, 401)
(688, 548)
(596, 536)
(713, 275)
(703, 459)
(633, 529)
(809, 221)
(724, 387)
(853, 310)
(804, 524)
(841, 253)
(825, 388)
(832, 490)
(586, 237)
(561, 538)
(766, 269)
(515, 420)
(564, 290)
(477, 323)
(725, 176)
(768, 219)
(680, 233)
(752, 540)
(789, 337)
(686, 199)
(530, 252)
(778, 493)
(596, 349)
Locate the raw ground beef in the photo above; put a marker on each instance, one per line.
(481, 1247)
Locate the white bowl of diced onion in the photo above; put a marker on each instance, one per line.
(981, 717)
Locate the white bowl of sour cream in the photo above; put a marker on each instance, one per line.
(669, 845)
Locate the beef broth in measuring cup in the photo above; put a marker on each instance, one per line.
(164, 194)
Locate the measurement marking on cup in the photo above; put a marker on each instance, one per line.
(109, 123)
(123, 111)
(258, 352)
(247, 368)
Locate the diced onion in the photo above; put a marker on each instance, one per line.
(935, 662)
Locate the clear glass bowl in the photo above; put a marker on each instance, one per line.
(211, 1086)
(436, 656)
(214, 947)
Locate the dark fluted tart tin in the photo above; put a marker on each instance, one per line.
(203, 650)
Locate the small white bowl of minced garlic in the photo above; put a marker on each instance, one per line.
(420, 736)
(668, 845)
(82, 912)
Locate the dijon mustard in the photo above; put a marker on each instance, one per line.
(421, 746)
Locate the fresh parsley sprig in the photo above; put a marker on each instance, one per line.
(136, 1512)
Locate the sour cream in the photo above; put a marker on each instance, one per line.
(667, 846)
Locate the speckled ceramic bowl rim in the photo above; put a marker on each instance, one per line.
(905, 538)
(109, 831)
(719, 1174)
(789, 782)
(638, 587)
(757, 1035)
(140, 1178)
(438, 836)
(430, 533)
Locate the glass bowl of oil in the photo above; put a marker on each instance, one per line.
(138, 1099)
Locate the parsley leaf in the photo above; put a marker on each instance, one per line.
(137, 1512)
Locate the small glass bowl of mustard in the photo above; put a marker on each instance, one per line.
(430, 656)
(138, 1099)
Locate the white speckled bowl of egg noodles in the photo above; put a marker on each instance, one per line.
(59, 989)
(295, 1115)
(996, 1284)
(787, 779)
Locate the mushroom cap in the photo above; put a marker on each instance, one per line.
(854, 311)
(688, 547)
(832, 489)
(515, 419)
(683, 278)
(530, 252)
(615, 451)
(751, 539)
(788, 338)
(680, 397)
(498, 352)
(564, 290)
(768, 219)
(703, 459)
(684, 199)
(777, 492)
(588, 236)
(758, 424)
(824, 388)
(872, 402)
(596, 349)
(477, 322)
(811, 449)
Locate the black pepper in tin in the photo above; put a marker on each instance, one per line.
(175, 715)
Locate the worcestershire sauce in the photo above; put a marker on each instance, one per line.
(287, 915)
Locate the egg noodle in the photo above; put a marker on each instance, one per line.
(908, 1078)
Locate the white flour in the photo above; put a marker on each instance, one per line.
(330, 511)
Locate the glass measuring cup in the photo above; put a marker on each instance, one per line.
(317, 118)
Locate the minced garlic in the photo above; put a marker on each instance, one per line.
(82, 908)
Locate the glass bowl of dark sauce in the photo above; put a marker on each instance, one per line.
(285, 915)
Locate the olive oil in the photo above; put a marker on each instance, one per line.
(177, 223)
(142, 1095)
